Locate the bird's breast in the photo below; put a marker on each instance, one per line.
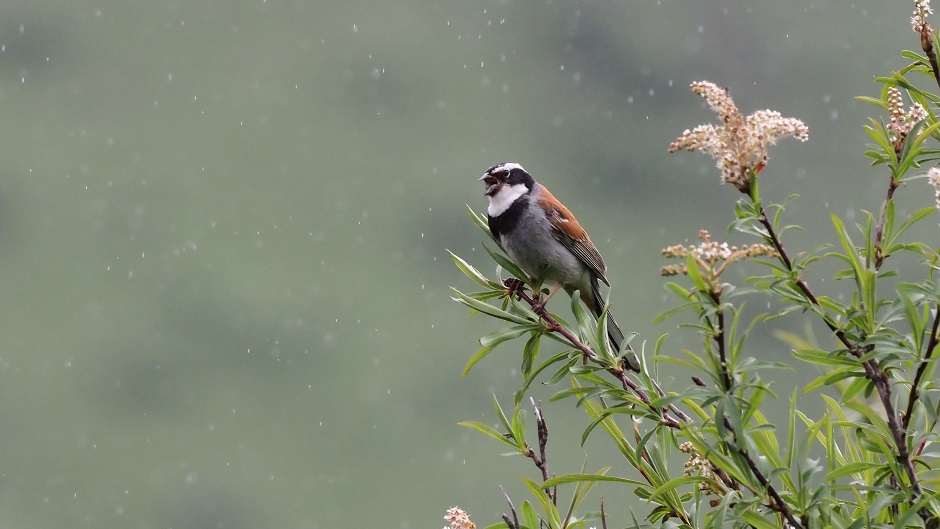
(532, 245)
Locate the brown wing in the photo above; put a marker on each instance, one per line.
(568, 231)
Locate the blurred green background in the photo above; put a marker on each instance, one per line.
(223, 230)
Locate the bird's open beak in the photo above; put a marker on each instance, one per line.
(492, 184)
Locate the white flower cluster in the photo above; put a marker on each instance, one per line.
(458, 519)
(919, 20)
(933, 176)
(902, 121)
(712, 257)
(739, 145)
(712, 251)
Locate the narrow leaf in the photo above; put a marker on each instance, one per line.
(490, 432)
(479, 355)
(507, 265)
(486, 308)
(472, 272)
(501, 335)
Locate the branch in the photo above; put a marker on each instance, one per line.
(719, 338)
(879, 230)
(800, 284)
(541, 460)
(926, 43)
(778, 504)
(514, 523)
(872, 371)
(921, 369)
(516, 287)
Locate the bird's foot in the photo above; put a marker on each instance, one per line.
(513, 286)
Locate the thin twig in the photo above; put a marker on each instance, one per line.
(926, 43)
(880, 229)
(874, 373)
(719, 338)
(603, 515)
(541, 460)
(921, 369)
(778, 504)
(509, 523)
(672, 407)
(726, 479)
(516, 288)
(788, 264)
(514, 523)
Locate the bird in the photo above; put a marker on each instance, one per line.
(541, 235)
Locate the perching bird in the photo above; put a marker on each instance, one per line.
(542, 236)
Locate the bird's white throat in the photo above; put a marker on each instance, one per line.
(504, 198)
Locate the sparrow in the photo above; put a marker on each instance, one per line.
(541, 235)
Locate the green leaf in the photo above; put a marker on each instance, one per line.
(580, 493)
(507, 265)
(886, 236)
(880, 135)
(601, 346)
(924, 134)
(874, 101)
(755, 520)
(879, 157)
(530, 353)
(551, 512)
(856, 386)
(479, 355)
(912, 219)
(490, 432)
(752, 187)
(673, 311)
(857, 467)
(818, 356)
(581, 316)
(501, 335)
(481, 222)
(472, 272)
(501, 414)
(695, 275)
(529, 516)
(875, 420)
(486, 308)
(914, 56)
(581, 478)
(674, 483)
(834, 376)
(518, 426)
(604, 415)
(530, 378)
(852, 257)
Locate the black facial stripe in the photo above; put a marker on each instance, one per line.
(518, 176)
(507, 220)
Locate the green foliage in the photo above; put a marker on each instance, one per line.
(707, 455)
